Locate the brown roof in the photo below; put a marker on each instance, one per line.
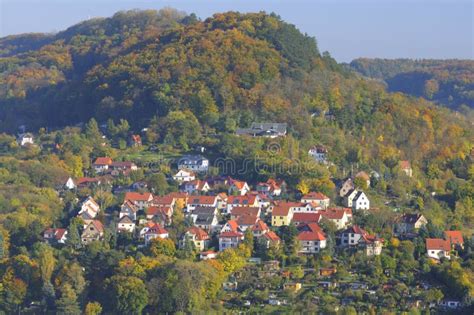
(201, 235)
(98, 225)
(455, 237)
(241, 200)
(247, 219)
(410, 218)
(157, 229)
(311, 232)
(333, 213)
(260, 225)
(438, 244)
(239, 184)
(405, 165)
(305, 217)
(202, 200)
(270, 235)
(233, 225)
(163, 200)
(315, 196)
(363, 175)
(159, 210)
(238, 211)
(134, 196)
(103, 161)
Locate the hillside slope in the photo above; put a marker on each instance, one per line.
(228, 70)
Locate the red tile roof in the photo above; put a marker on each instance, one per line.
(238, 211)
(239, 184)
(363, 175)
(438, 244)
(315, 196)
(157, 229)
(334, 213)
(405, 165)
(311, 232)
(201, 235)
(305, 217)
(260, 225)
(234, 226)
(231, 234)
(455, 237)
(157, 210)
(202, 200)
(247, 219)
(103, 161)
(241, 200)
(163, 200)
(270, 235)
(134, 196)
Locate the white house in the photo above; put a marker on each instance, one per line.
(140, 200)
(25, 138)
(128, 209)
(356, 236)
(238, 187)
(341, 217)
(438, 248)
(90, 207)
(126, 224)
(70, 184)
(184, 175)
(101, 164)
(357, 200)
(196, 163)
(311, 238)
(196, 186)
(55, 235)
(319, 153)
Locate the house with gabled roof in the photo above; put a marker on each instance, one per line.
(341, 217)
(126, 224)
(410, 223)
(55, 235)
(242, 201)
(205, 218)
(204, 201)
(247, 221)
(346, 187)
(301, 218)
(90, 207)
(282, 214)
(271, 187)
(94, 231)
(162, 214)
(196, 163)
(140, 200)
(438, 248)
(311, 238)
(101, 164)
(239, 188)
(197, 236)
(455, 238)
(318, 153)
(240, 211)
(230, 239)
(356, 236)
(357, 200)
(184, 175)
(153, 231)
(317, 199)
(195, 187)
(25, 139)
(405, 166)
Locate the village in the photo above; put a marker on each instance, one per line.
(220, 212)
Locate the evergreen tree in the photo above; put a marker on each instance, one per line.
(68, 304)
(73, 237)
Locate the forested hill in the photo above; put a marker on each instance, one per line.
(154, 68)
(447, 82)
